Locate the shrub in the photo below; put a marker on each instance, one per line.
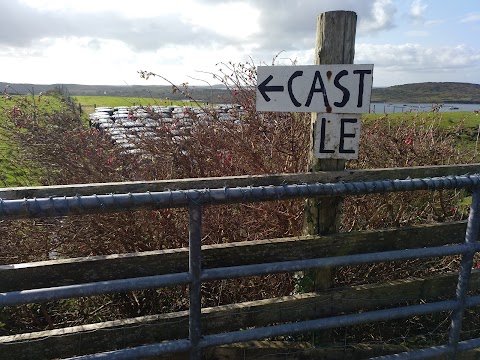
(405, 142)
(67, 152)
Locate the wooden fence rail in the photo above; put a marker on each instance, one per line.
(238, 181)
(110, 267)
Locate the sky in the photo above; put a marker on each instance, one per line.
(106, 42)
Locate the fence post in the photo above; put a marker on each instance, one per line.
(335, 44)
(195, 270)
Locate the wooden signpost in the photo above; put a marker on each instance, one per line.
(315, 88)
(336, 92)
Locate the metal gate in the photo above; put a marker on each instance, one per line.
(196, 199)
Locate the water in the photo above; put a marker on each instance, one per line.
(390, 108)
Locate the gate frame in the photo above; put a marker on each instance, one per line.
(194, 199)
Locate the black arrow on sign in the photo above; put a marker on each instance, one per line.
(263, 88)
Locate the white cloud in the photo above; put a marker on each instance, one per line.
(108, 41)
(417, 9)
(131, 9)
(413, 61)
(88, 60)
(417, 57)
(218, 18)
(147, 25)
(472, 17)
(380, 17)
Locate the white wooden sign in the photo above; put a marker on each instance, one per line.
(337, 136)
(342, 89)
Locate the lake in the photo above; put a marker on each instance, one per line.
(389, 108)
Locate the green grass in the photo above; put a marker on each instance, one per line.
(465, 124)
(445, 120)
(90, 102)
(11, 172)
(47, 104)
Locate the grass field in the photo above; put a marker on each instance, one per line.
(465, 124)
(11, 173)
(89, 103)
(444, 119)
(46, 103)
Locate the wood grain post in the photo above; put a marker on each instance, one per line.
(335, 44)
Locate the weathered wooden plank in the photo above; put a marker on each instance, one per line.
(287, 350)
(238, 181)
(142, 330)
(100, 268)
(276, 350)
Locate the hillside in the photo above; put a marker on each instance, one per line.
(201, 93)
(429, 92)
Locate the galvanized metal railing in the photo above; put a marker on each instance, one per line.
(196, 199)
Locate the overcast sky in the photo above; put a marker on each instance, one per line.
(108, 41)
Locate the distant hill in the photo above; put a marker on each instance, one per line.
(201, 93)
(429, 92)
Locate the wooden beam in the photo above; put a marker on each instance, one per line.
(238, 181)
(117, 334)
(282, 350)
(109, 267)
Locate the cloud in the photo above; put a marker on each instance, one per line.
(380, 16)
(414, 57)
(111, 40)
(20, 23)
(416, 12)
(291, 25)
(272, 25)
(411, 63)
(22, 26)
(472, 17)
(417, 9)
